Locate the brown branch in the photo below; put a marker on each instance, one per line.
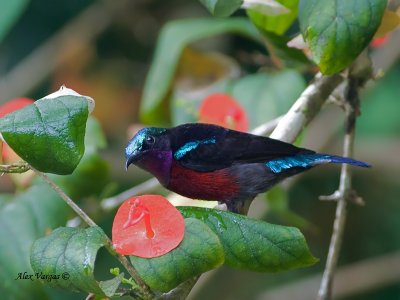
(18, 167)
(344, 193)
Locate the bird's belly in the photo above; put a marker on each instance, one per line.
(217, 185)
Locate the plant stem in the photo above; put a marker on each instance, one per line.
(19, 167)
(145, 290)
(342, 195)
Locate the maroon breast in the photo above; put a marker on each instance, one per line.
(216, 185)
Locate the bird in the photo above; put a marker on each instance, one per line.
(209, 162)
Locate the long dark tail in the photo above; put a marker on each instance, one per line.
(342, 160)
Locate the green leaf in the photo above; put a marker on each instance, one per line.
(222, 8)
(200, 251)
(71, 251)
(49, 134)
(252, 244)
(174, 37)
(23, 219)
(338, 31)
(276, 24)
(10, 11)
(266, 96)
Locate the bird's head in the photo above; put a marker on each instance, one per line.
(149, 149)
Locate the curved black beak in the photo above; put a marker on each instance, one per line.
(129, 161)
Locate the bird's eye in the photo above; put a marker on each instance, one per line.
(150, 140)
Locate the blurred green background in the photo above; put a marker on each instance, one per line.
(104, 49)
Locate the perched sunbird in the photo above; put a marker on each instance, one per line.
(209, 162)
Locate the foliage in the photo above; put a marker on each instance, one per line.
(335, 33)
(49, 134)
(72, 250)
(56, 135)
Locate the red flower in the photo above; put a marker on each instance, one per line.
(147, 226)
(222, 109)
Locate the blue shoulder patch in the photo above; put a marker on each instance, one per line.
(181, 152)
(301, 160)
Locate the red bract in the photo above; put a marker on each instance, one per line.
(147, 226)
(221, 109)
(379, 41)
(6, 108)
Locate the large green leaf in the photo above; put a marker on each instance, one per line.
(49, 134)
(276, 24)
(200, 251)
(25, 218)
(338, 31)
(9, 14)
(252, 244)
(72, 252)
(174, 37)
(266, 96)
(222, 8)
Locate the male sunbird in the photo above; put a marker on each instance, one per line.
(209, 162)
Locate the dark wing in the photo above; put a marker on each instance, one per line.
(205, 147)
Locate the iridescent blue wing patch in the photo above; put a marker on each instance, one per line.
(182, 151)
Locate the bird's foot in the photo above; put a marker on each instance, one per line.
(221, 206)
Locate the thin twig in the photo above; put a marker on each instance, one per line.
(18, 167)
(342, 195)
(122, 259)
